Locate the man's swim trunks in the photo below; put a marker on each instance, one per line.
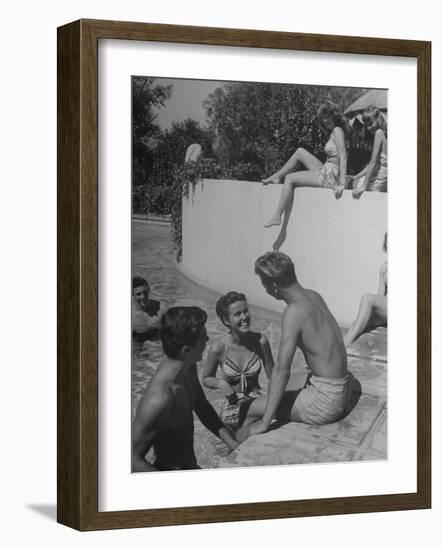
(322, 400)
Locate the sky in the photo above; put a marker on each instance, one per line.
(186, 100)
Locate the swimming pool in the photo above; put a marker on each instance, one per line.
(362, 435)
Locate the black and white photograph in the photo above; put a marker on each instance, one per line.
(213, 209)
(259, 274)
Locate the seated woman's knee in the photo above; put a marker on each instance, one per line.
(367, 300)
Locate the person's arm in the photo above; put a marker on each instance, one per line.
(209, 378)
(207, 414)
(148, 421)
(140, 321)
(291, 329)
(377, 145)
(339, 137)
(382, 289)
(361, 173)
(267, 356)
(154, 319)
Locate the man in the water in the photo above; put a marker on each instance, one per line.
(146, 313)
(164, 418)
(308, 324)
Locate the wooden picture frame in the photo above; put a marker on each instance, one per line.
(77, 461)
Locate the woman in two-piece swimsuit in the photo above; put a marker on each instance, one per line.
(305, 170)
(374, 176)
(239, 356)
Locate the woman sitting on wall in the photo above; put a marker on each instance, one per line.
(372, 309)
(240, 356)
(374, 176)
(305, 170)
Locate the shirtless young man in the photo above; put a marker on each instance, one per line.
(146, 313)
(308, 324)
(164, 418)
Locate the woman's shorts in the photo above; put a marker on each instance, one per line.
(328, 175)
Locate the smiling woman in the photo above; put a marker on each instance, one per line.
(240, 355)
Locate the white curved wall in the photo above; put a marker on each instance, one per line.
(336, 245)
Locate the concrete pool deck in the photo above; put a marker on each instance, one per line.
(361, 435)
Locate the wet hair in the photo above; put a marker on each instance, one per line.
(139, 281)
(385, 243)
(330, 109)
(372, 112)
(277, 268)
(181, 326)
(222, 305)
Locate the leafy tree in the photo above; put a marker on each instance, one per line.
(264, 123)
(169, 153)
(146, 97)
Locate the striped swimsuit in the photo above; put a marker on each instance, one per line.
(246, 376)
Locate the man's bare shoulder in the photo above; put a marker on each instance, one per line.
(164, 306)
(157, 397)
(296, 313)
(314, 298)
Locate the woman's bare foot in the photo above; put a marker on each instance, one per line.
(274, 220)
(358, 192)
(338, 191)
(271, 179)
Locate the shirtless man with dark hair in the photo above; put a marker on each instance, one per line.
(146, 313)
(308, 324)
(164, 418)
